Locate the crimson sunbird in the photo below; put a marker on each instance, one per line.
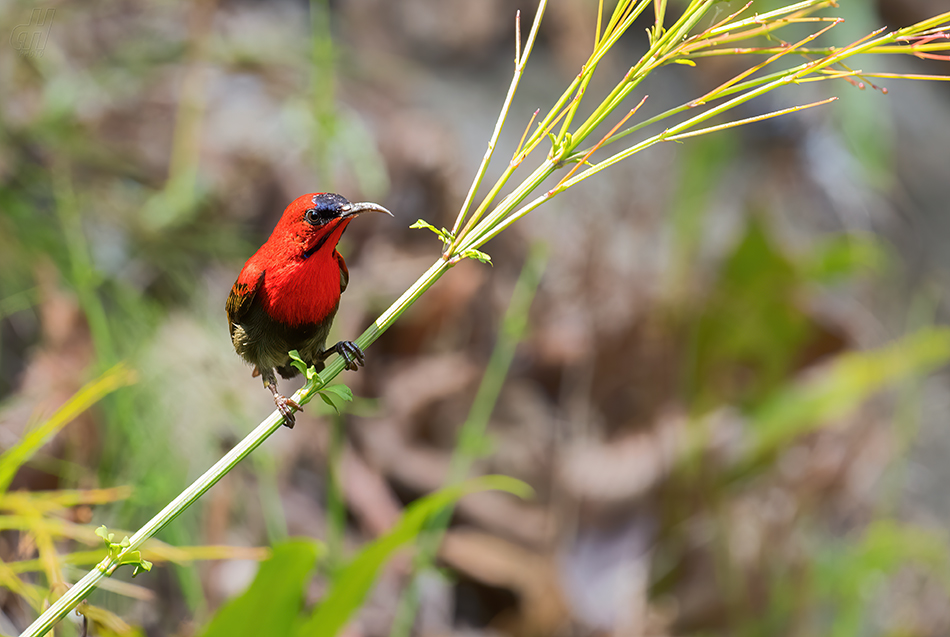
(288, 293)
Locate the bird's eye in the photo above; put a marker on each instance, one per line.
(313, 217)
(326, 208)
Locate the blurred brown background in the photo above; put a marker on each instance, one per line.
(148, 147)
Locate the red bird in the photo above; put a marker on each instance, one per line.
(287, 293)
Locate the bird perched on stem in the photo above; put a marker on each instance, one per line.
(288, 293)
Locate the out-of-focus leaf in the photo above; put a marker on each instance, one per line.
(844, 255)
(47, 501)
(14, 457)
(271, 605)
(108, 623)
(847, 575)
(751, 330)
(354, 581)
(844, 385)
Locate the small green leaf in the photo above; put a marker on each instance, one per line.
(443, 234)
(420, 224)
(133, 558)
(341, 392)
(555, 148)
(472, 253)
(310, 373)
(143, 565)
(327, 400)
(560, 147)
(297, 362)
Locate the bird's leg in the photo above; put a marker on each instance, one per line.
(285, 406)
(350, 352)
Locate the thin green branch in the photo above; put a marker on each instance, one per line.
(451, 249)
(520, 62)
(108, 565)
(748, 120)
(772, 17)
(713, 94)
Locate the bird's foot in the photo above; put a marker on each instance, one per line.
(286, 407)
(350, 352)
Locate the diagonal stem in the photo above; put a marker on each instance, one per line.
(79, 591)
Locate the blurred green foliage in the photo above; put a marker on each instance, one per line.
(272, 604)
(750, 329)
(46, 517)
(131, 238)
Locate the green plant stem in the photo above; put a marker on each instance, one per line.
(500, 219)
(665, 50)
(79, 591)
(16, 456)
(520, 62)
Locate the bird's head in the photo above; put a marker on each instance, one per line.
(316, 220)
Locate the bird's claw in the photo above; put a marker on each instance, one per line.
(351, 353)
(286, 407)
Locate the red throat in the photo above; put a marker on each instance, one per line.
(299, 289)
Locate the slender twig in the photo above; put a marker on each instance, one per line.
(523, 135)
(748, 120)
(81, 589)
(520, 61)
(599, 144)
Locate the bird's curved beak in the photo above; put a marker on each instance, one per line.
(353, 209)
